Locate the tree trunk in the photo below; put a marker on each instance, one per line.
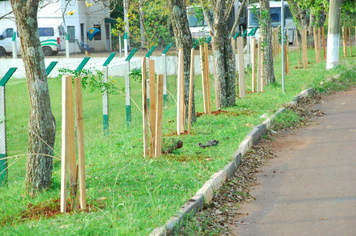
(224, 57)
(183, 40)
(333, 34)
(266, 34)
(42, 125)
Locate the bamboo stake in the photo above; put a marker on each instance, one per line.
(203, 74)
(217, 95)
(191, 86)
(323, 36)
(318, 44)
(151, 75)
(242, 92)
(253, 63)
(296, 39)
(304, 49)
(80, 142)
(207, 77)
(179, 84)
(350, 41)
(182, 104)
(159, 111)
(259, 68)
(315, 45)
(66, 79)
(144, 107)
(72, 163)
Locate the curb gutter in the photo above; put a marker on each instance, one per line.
(205, 194)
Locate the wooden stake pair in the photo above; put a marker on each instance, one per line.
(68, 145)
(156, 110)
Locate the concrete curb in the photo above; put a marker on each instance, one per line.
(206, 193)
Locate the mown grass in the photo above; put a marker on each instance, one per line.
(141, 193)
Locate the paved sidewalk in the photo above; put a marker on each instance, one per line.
(310, 188)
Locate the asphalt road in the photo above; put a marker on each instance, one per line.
(310, 188)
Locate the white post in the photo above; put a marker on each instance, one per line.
(282, 39)
(164, 77)
(105, 102)
(125, 44)
(179, 82)
(127, 92)
(332, 59)
(3, 163)
(14, 46)
(67, 46)
(120, 45)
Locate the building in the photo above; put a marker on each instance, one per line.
(86, 15)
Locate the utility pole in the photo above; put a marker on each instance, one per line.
(332, 59)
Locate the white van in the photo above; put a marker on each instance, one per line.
(275, 10)
(52, 40)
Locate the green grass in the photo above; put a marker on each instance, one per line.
(141, 193)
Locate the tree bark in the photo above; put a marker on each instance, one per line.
(183, 40)
(42, 125)
(333, 34)
(224, 57)
(267, 48)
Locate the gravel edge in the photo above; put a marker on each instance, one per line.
(206, 192)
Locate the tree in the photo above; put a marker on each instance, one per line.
(148, 22)
(42, 125)
(333, 34)
(266, 35)
(224, 57)
(184, 40)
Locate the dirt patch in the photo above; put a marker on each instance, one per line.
(50, 209)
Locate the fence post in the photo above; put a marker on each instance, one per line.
(165, 72)
(3, 161)
(50, 67)
(67, 46)
(127, 87)
(82, 64)
(105, 94)
(120, 48)
(125, 44)
(14, 46)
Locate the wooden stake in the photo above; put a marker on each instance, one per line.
(217, 93)
(350, 41)
(144, 107)
(159, 111)
(242, 89)
(259, 68)
(66, 79)
(182, 104)
(318, 44)
(203, 74)
(151, 75)
(253, 63)
(286, 58)
(191, 87)
(344, 41)
(296, 40)
(80, 142)
(207, 77)
(304, 49)
(315, 45)
(323, 36)
(179, 88)
(72, 163)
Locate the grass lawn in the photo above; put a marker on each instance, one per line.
(129, 194)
